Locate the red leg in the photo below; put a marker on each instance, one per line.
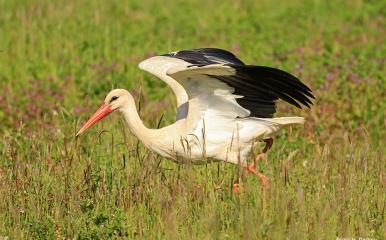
(251, 168)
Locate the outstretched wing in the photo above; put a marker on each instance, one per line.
(159, 65)
(226, 84)
(254, 88)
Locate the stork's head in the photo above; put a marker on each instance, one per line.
(116, 99)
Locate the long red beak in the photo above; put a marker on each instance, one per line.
(102, 112)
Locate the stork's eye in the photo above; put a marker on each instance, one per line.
(113, 98)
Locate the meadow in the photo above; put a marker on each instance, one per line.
(58, 60)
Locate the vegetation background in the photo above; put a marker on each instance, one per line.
(59, 58)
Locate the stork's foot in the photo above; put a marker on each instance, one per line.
(236, 188)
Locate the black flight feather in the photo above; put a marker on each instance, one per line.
(206, 56)
(258, 86)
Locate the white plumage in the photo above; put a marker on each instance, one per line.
(215, 118)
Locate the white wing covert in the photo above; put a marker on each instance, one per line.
(158, 66)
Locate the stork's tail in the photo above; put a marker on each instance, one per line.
(288, 121)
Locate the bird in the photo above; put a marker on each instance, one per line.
(224, 107)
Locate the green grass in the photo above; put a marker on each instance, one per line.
(58, 59)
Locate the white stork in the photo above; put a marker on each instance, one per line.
(223, 107)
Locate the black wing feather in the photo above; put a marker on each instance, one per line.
(259, 86)
(206, 56)
(275, 83)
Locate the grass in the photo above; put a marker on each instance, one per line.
(58, 59)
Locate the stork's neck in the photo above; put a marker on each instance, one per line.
(158, 140)
(135, 123)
